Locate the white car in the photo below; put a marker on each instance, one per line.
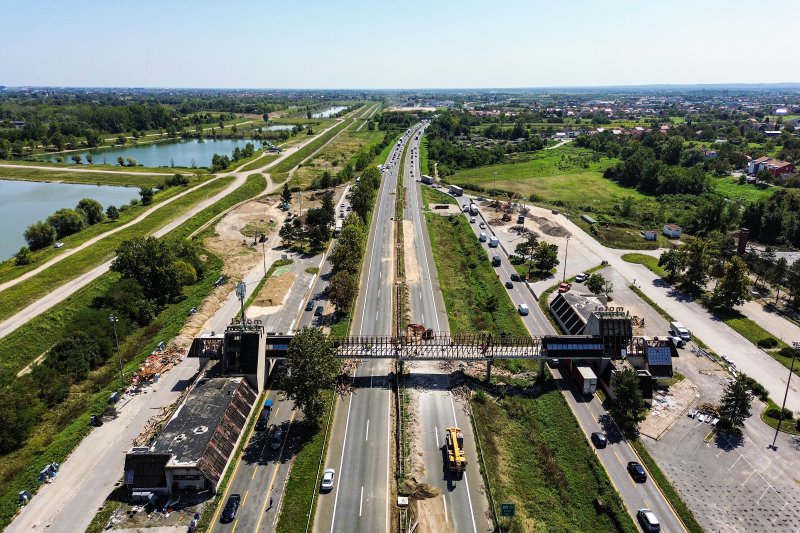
(327, 479)
(472, 220)
(580, 278)
(523, 309)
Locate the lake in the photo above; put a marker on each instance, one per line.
(280, 127)
(329, 112)
(24, 202)
(179, 153)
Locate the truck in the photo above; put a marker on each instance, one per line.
(494, 242)
(427, 180)
(454, 442)
(585, 379)
(338, 228)
(679, 330)
(473, 210)
(455, 190)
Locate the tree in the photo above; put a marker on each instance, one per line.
(349, 249)
(151, 262)
(286, 194)
(595, 283)
(608, 288)
(628, 409)
(697, 261)
(793, 283)
(66, 222)
(19, 411)
(545, 257)
(627, 205)
(77, 158)
(121, 161)
(317, 227)
(312, 368)
(526, 248)
(23, 257)
(734, 287)
(146, 194)
(343, 290)
(673, 262)
(112, 212)
(89, 158)
(39, 235)
(734, 407)
(777, 276)
(361, 200)
(287, 234)
(91, 210)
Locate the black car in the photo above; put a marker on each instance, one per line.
(515, 277)
(229, 512)
(509, 285)
(261, 423)
(310, 305)
(637, 472)
(599, 439)
(319, 310)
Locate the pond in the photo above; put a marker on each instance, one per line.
(329, 112)
(24, 202)
(280, 127)
(179, 153)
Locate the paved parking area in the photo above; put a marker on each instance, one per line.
(734, 486)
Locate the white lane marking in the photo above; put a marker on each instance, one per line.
(367, 437)
(341, 461)
(361, 501)
(446, 519)
(379, 292)
(376, 316)
(436, 434)
(466, 481)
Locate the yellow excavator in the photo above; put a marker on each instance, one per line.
(454, 441)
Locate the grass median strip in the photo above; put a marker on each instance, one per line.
(20, 295)
(647, 260)
(536, 457)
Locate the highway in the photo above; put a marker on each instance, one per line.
(590, 413)
(464, 506)
(360, 442)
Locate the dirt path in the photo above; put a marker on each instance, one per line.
(86, 170)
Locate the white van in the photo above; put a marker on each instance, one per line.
(494, 242)
(679, 330)
(483, 237)
(523, 309)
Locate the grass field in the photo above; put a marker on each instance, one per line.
(20, 295)
(335, 155)
(281, 171)
(423, 157)
(435, 196)
(646, 260)
(537, 458)
(556, 175)
(730, 187)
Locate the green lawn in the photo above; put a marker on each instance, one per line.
(556, 175)
(536, 457)
(646, 260)
(468, 280)
(730, 187)
(335, 155)
(435, 196)
(281, 171)
(423, 157)
(91, 178)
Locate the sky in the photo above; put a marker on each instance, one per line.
(403, 44)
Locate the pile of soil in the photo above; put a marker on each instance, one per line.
(550, 228)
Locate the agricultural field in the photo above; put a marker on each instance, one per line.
(730, 187)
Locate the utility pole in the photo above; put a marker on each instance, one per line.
(241, 292)
(114, 321)
(566, 251)
(796, 346)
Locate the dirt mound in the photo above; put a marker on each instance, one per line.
(275, 290)
(550, 228)
(418, 491)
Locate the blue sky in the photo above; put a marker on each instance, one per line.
(398, 44)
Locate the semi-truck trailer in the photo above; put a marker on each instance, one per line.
(585, 378)
(454, 441)
(473, 210)
(455, 190)
(427, 180)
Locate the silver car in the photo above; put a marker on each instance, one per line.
(327, 479)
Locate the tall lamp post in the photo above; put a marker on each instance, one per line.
(796, 346)
(114, 321)
(566, 251)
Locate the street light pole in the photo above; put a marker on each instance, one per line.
(114, 321)
(566, 251)
(796, 346)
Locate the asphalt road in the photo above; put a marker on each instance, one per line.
(464, 504)
(360, 440)
(589, 412)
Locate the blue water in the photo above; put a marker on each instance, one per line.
(24, 202)
(179, 153)
(329, 112)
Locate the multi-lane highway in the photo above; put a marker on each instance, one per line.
(463, 504)
(360, 440)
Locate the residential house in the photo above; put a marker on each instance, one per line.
(673, 231)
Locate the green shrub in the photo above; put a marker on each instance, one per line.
(787, 351)
(767, 342)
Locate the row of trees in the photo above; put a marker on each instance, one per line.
(221, 162)
(152, 275)
(65, 222)
(313, 229)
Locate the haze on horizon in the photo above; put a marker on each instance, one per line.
(358, 44)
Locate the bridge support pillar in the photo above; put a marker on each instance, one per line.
(488, 371)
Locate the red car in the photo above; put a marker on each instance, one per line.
(564, 287)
